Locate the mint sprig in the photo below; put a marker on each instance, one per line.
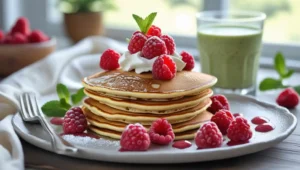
(284, 73)
(144, 24)
(58, 108)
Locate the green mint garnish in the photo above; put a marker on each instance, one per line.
(58, 108)
(280, 67)
(269, 84)
(146, 23)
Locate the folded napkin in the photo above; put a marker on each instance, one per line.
(41, 78)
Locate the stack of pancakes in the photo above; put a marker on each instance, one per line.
(117, 98)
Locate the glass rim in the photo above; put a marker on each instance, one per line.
(252, 16)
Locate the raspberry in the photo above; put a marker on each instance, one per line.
(137, 42)
(222, 118)
(218, 102)
(208, 136)
(37, 36)
(109, 60)
(161, 132)
(288, 98)
(154, 31)
(135, 138)
(153, 47)
(188, 59)
(239, 130)
(164, 68)
(21, 26)
(74, 121)
(18, 38)
(2, 36)
(170, 44)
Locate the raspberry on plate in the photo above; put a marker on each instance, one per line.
(208, 136)
(37, 36)
(18, 38)
(154, 31)
(188, 59)
(136, 42)
(2, 36)
(153, 47)
(288, 98)
(164, 68)
(223, 118)
(135, 138)
(110, 60)
(170, 44)
(161, 132)
(239, 130)
(218, 102)
(74, 121)
(21, 26)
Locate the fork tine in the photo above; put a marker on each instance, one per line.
(29, 105)
(23, 107)
(34, 105)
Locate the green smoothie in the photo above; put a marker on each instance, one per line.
(231, 53)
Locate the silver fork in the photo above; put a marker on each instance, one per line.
(30, 112)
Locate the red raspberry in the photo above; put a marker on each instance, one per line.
(136, 32)
(208, 136)
(135, 138)
(188, 59)
(37, 36)
(153, 47)
(2, 36)
(164, 68)
(109, 60)
(288, 98)
(22, 26)
(136, 42)
(239, 130)
(74, 121)
(218, 102)
(18, 38)
(223, 118)
(170, 44)
(161, 132)
(154, 31)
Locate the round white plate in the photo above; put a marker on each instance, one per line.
(107, 150)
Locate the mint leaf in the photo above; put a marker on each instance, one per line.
(279, 64)
(54, 109)
(144, 24)
(269, 84)
(63, 92)
(139, 21)
(297, 89)
(64, 104)
(288, 74)
(128, 40)
(78, 96)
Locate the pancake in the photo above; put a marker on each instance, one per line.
(113, 114)
(101, 122)
(155, 107)
(143, 86)
(117, 135)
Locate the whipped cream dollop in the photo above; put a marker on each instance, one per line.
(140, 64)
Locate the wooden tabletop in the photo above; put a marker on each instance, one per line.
(285, 155)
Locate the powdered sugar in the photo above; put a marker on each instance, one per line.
(91, 142)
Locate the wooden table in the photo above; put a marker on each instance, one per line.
(285, 155)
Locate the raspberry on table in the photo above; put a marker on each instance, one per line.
(154, 31)
(188, 59)
(109, 60)
(37, 36)
(21, 26)
(223, 118)
(218, 102)
(288, 98)
(170, 43)
(208, 136)
(136, 42)
(153, 47)
(239, 130)
(164, 68)
(74, 121)
(161, 132)
(135, 138)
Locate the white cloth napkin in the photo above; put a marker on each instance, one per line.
(42, 77)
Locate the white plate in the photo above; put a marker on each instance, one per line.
(106, 150)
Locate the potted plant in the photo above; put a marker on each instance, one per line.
(83, 18)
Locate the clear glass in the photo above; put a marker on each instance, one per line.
(230, 43)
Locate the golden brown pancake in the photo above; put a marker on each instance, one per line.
(143, 86)
(155, 107)
(113, 114)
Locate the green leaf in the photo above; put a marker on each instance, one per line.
(64, 104)
(78, 96)
(288, 74)
(144, 24)
(297, 89)
(279, 64)
(63, 92)
(128, 40)
(269, 84)
(139, 21)
(54, 109)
